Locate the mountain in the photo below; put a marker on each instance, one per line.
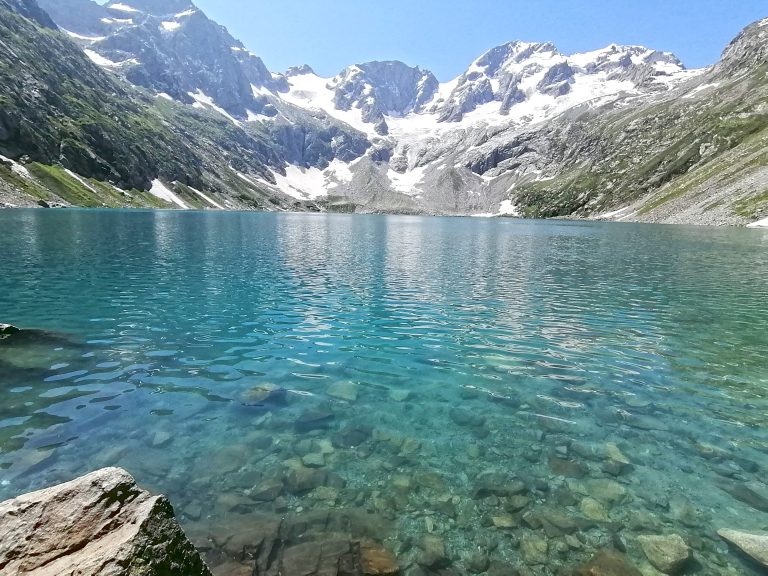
(624, 132)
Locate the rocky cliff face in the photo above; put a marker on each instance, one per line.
(379, 89)
(526, 130)
(100, 524)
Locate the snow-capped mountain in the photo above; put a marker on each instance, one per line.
(423, 127)
(412, 122)
(524, 120)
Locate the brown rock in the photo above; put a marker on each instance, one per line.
(567, 468)
(433, 555)
(100, 524)
(608, 563)
(533, 550)
(377, 561)
(265, 394)
(669, 554)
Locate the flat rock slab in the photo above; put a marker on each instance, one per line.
(754, 544)
(102, 524)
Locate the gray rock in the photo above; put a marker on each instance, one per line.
(102, 523)
(313, 420)
(755, 544)
(752, 494)
(378, 88)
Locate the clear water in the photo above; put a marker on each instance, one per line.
(523, 348)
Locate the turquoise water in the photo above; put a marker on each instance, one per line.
(262, 366)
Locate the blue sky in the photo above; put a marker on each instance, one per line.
(446, 35)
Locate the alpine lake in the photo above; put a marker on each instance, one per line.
(467, 395)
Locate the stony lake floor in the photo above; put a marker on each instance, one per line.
(434, 481)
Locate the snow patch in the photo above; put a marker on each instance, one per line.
(614, 214)
(311, 92)
(260, 91)
(407, 183)
(122, 7)
(312, 183)
(100, 60)
(170, 26)
(82, 180)
(701, 88)
(164, 96)
(207, 198)
(127, 21)
(188, 12)
(17, 168)
(202, 100)
(81, 37)
(507, 208)
(161, 191)
(759, 224)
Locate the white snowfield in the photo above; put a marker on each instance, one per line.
(161, 191)
(100, 60)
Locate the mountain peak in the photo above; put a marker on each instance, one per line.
(300, 70)
(748, 50)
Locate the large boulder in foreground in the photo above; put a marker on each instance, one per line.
(101, 524)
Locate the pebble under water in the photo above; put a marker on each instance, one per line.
(464, 395)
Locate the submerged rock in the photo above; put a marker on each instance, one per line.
(377, 561)
(669, 554)
(608, 563)
(754, 544)
(102, 523)
(567, 468)
(324, 558)
(594, 510)
(533, 550)
(492, 483)
(265, 395)
(313, 420)
(751, 494)
(347, 391)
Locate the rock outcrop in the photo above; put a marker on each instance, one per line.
(7, 329)
(101, 524)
